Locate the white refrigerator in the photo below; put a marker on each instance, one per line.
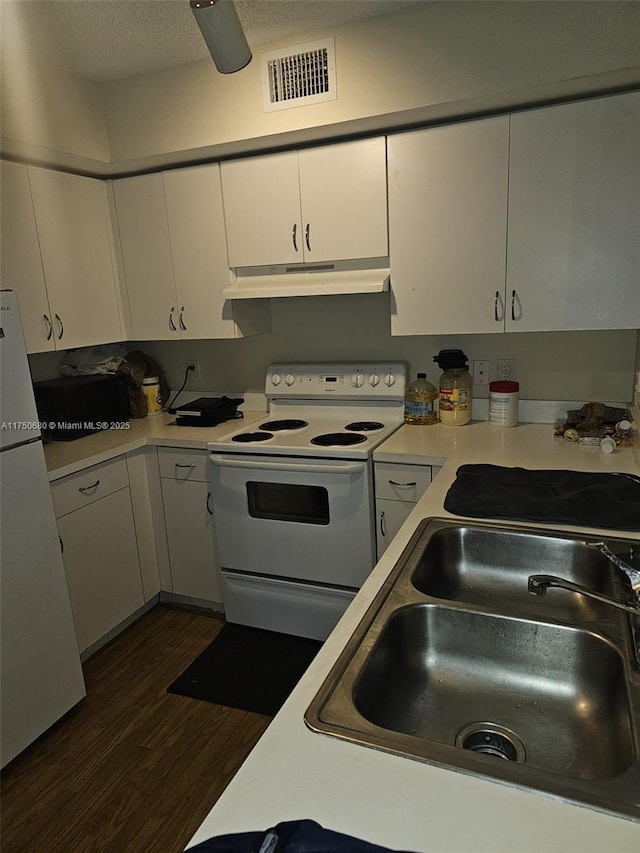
(40, 671)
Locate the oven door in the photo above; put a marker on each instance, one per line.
(288, 518)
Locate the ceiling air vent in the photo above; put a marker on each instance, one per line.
(300, 75)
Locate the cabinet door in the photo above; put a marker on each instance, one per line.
(574, 217)
(447, 227)
(262, 210)
(391, 515)
(190, 536)
(343, 189)
(74, 230)
(21, 264)
(146, 257)
(101, 563)
(199, 251)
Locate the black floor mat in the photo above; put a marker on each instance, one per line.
(247, 668)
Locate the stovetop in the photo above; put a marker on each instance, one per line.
(318, 437)
(324, 410)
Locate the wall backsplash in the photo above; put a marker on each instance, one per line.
(550, 365)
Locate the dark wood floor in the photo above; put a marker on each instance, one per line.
(133, 769)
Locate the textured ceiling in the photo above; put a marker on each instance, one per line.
(111, 39)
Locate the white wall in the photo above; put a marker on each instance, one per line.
(439, 60)
(550, 365)
(48, 115)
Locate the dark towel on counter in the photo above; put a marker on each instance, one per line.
(293, 836)
(554, 497)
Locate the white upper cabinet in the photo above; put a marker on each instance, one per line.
(573, 257)
(74, 230)
(21, 264)
(146, 256)
(174, 254)
(447, 227)
(343, 191)
(528, 223)
(262, 210)
(314, 205)
(57, 254)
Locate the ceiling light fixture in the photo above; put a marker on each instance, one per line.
(223, 34)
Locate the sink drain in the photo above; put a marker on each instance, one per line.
(491, 739)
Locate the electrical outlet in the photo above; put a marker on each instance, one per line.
(194, 374)
(506, 368)
(480, 372)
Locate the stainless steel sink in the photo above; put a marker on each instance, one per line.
(467, 564)
(451, 666)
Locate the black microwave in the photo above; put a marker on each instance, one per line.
(74, 406)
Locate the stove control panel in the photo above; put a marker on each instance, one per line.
(362, 380)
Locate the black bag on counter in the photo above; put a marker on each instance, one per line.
(607, 500)
(294, 836)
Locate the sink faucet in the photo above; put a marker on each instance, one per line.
(629, 571)
(538, 584)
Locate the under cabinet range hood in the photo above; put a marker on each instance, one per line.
(308, 280)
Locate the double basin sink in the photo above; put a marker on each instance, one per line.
(457, 663)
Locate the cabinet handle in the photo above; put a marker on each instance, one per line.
(172, 325)
(61, 545)
(208, 507)
(60, 327)
(495, 307)
(513, 305)
(49, 327)
(306, 236)
(89, 488)
(183, 465)
(181, 321)
(383, 532)
(402, 485)
(294, 236)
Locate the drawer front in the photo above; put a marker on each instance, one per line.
(177, 464)
(401, 482)
(91, 484)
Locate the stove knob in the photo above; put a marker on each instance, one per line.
(357, 380)
(389, 379)
(290, 379)
(373, 379)
(275, 378)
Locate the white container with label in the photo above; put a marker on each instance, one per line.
(503, 403)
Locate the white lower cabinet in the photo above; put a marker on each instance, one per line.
(398, 488)
(100, 553)
(188, 516)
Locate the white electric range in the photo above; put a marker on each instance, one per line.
(293, 496)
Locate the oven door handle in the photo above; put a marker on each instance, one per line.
(290, 467)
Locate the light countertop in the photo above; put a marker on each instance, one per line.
(396, 802)
(67, 457)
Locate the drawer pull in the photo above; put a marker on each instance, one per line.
(183, 465)
(89, 488)
(402, 485)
